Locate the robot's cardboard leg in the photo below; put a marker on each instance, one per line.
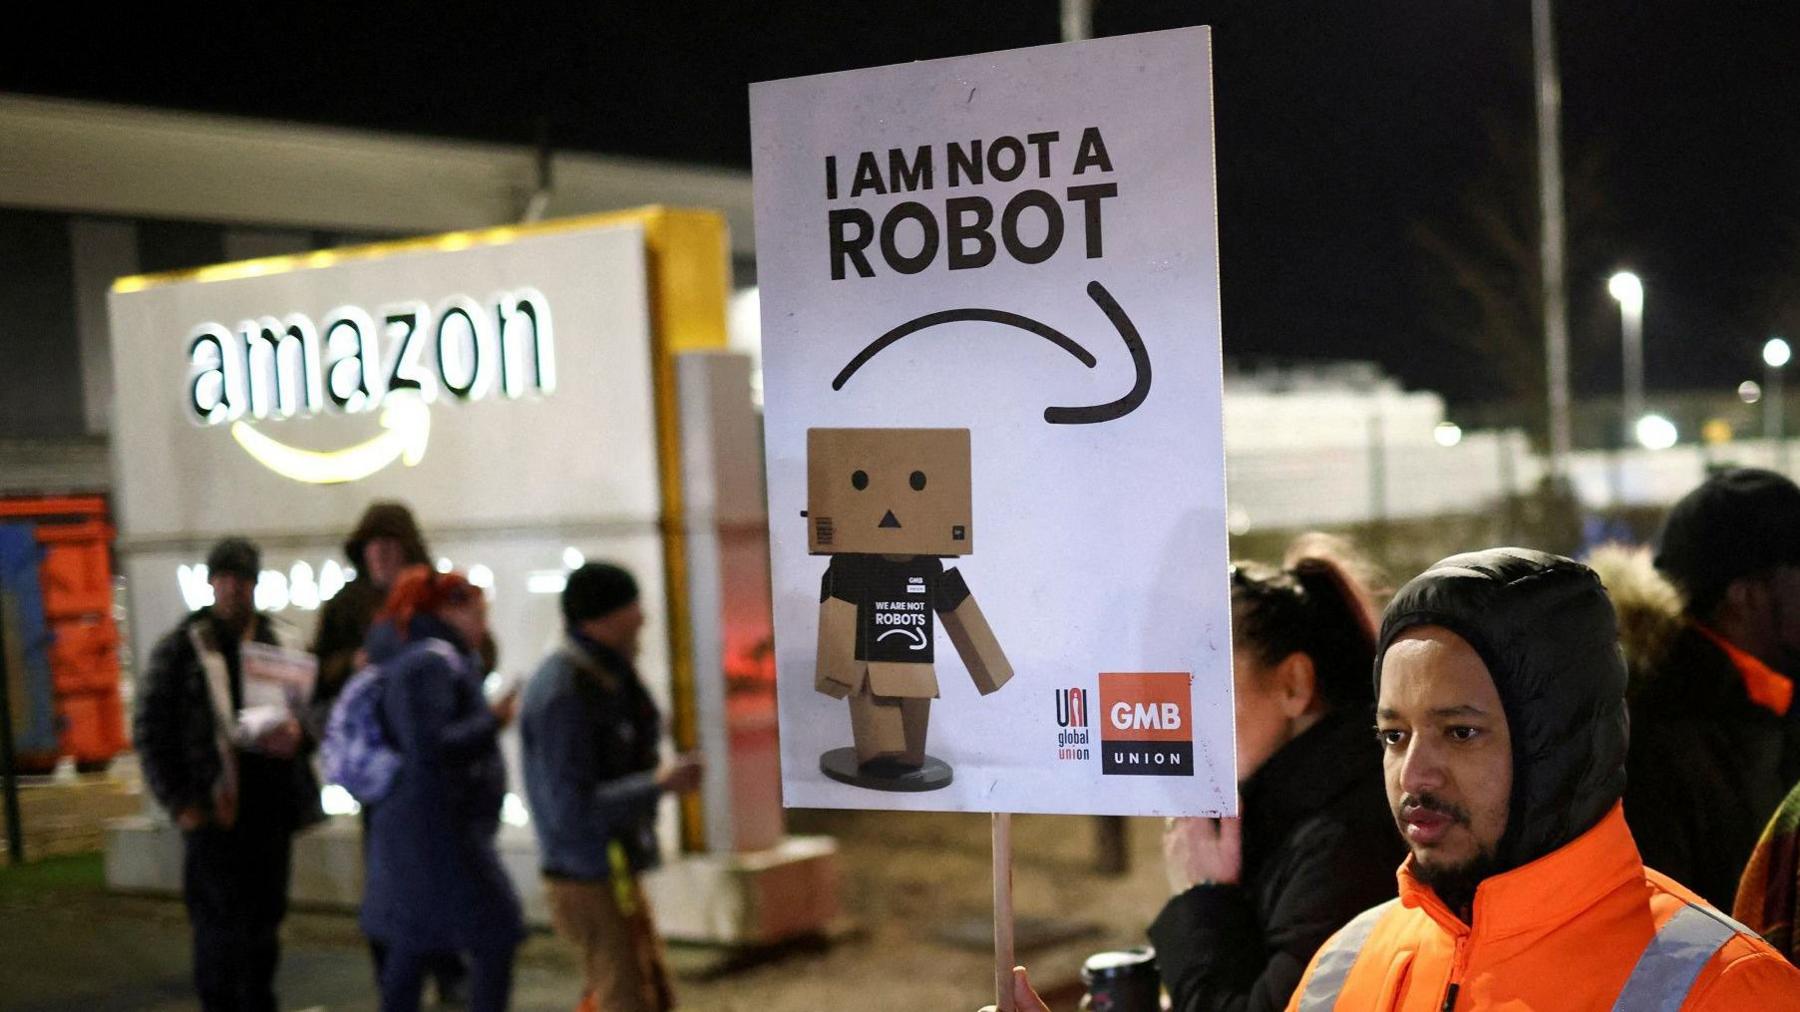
(889, 732)
(886, 727)
(915, 716)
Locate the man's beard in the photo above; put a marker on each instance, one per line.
(1455, 884)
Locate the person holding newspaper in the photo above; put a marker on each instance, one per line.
(223, 752)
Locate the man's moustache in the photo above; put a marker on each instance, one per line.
(1431, 803)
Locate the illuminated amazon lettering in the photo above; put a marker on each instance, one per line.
(281, 365)
(521, 312)
(353, 381)
(215, 375)
(463, 331)
(402, 324)
(353, 360)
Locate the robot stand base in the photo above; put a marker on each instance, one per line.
(884, 774)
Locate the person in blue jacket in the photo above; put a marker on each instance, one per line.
(593, 772)
(434, 880)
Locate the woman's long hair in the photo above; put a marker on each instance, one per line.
(421, 590)
(1315, 606)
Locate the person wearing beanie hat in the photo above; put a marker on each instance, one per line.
(591, 734)
(1713, 722)
(236, 783)
(1501, 718)
(237, 556)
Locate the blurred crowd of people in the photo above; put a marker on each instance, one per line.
(400, 713)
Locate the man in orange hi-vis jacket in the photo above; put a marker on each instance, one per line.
(1501, 715)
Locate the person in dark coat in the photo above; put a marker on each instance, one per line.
(1713, 725)
(237, 795)
(593, 771)
(434, 878)
(1255, 897)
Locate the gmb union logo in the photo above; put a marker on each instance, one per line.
(1145, 726)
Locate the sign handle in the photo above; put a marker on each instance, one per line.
(1003, 913)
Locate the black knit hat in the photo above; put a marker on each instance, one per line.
(237, 556)
(596, 589)
(1737, 523)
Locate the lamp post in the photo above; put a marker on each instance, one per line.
(1628, 291)
(1776, 354)
(1550, 247)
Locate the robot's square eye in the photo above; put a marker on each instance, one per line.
(859, 480)
(918, 481)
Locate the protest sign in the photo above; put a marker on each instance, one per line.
(989, 292)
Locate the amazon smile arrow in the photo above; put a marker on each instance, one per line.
(405, 419)
(1085, 415)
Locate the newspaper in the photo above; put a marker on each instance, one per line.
(278, 684)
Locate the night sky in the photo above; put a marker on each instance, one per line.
(1369, 154)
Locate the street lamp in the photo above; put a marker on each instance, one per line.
(1654, 432)
(1628, 291)
(1776, 354)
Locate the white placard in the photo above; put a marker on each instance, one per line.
(1019, 248)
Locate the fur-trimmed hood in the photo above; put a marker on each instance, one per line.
(1652, 611)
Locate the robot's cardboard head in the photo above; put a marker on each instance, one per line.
(888, 492)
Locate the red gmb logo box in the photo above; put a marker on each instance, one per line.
(1145, 723)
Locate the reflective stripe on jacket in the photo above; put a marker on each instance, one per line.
(1585, 927)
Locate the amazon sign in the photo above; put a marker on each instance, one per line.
(352, 359)
(507, 384)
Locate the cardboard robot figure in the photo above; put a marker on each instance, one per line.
(888, 506)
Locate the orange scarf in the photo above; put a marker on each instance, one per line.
(1766, 687)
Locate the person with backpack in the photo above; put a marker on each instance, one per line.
(434, 880)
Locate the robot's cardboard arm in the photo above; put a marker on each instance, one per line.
(969, 632)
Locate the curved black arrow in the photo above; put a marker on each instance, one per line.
(911, 327)
(1090, 414)
(1140, 361)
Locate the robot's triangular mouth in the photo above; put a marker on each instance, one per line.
(889, 520)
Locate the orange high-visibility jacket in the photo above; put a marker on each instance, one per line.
(1569, 931)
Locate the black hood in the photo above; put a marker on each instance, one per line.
(1548, 634)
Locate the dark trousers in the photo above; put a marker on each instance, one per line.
(235, 883)
(445, 967)
(403, 977)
